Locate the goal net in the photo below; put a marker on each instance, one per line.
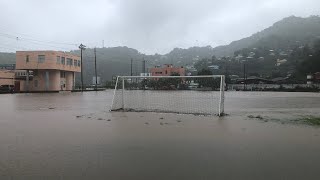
(203, 95)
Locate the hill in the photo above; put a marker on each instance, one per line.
(283, 37)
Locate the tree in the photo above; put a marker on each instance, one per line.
(175, 81)
(207, 82)
(213, 59)
(311, 64)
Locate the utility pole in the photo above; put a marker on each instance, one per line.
(131, 67)
(144, 66)
(82, 47)
(144, 71)
(95, 68)
(244, 76)
(226, 75)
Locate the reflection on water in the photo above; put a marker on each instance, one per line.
(73, 136)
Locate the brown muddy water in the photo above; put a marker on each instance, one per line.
(74, 136)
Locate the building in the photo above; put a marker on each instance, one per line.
(6, 77)
(145, 74)
(316, 77)
(10, 78)
(53, 71)
(8, 66)
(280, 62)
(313, 78)
(94, 81)
(167, 70)
(213, 67)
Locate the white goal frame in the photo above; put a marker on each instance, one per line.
(122, 78)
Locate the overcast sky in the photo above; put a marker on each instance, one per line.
(150, 26)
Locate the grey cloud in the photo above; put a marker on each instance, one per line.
(148, 25)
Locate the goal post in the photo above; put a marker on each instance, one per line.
(203, 95)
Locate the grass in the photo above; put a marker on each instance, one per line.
(255, 117)
(309, 120)
(312, 120)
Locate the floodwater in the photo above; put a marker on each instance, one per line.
(74, 136)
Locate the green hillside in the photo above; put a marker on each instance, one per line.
(291, 38)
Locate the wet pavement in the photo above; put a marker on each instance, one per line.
(74, 136)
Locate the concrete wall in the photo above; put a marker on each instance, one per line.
(54, 80)
(43, 80)
(69, 81)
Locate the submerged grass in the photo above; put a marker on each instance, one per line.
(311, 120)
(307, 120)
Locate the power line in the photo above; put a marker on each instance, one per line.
(42, 44)
(27, 37)
(37, 40)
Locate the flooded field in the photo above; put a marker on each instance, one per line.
(74, 136)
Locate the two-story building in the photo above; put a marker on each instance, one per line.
(53, 71)
(167, 70)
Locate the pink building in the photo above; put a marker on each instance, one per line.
(6, 77)
(53, 71)
(167, 70)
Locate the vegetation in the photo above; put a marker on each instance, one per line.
(294, 39)
(313, 120)
(163, 83)
(212, 83)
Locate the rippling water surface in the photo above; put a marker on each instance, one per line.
(74, 136)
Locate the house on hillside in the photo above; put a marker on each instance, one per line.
(213, 67)
(316, 77)
(280, 62)
(8, 66)
(167, 70)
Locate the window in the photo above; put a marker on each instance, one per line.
(35, 83)
(166, 72)
(35, 73)
(27, 58)
(79, 63)
(58, 60)
(69, 61)
(75, 62)
(62, 74)
(63, 60)
(158, 72)
(41, 58)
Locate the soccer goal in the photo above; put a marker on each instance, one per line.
(203, 95)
